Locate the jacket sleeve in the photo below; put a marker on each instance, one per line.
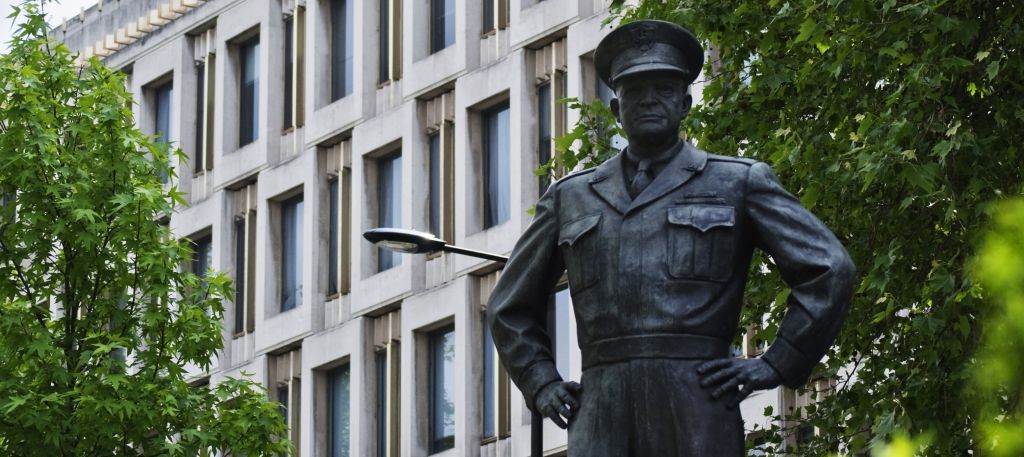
(813, 263)
(517, 308)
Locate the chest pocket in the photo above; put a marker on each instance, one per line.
(578, 241)
(701, 241)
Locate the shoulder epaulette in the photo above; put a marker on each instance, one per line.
(741, 160)
(578, 173)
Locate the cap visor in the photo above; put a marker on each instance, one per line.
(647, 67)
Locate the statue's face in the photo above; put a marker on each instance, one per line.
(650, 105)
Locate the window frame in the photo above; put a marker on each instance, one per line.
(295, 258)
(496, 184)
(248, 94)
(341, 65)
(389, 166)
(439, 25)
(438, 374)
(332, 377)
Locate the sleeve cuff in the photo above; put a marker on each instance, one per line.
(791, 364)
(537, 376)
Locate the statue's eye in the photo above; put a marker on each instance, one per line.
(665, 90)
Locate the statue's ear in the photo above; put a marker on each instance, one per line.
(687, 104)
(614, 105)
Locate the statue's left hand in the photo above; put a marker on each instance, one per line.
(740, 376)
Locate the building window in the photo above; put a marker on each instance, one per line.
(341, 48)
(496, 166)
(338, 382)
(606, 94)
(162, 110)
(497, 418)
(388, 377)
(294, 68)
(202, 160)
(248, 93)
(389, 67)
(389, 203)
(442, 389)
(442, 24)
(558, 329)
(544, 140)
(289, 68)
(439, 113)
(495, 15)
(286, 383)
(550, 71)
(338, 161)
(291, 253)
(162, 95)
(244, 232)
(202, 258)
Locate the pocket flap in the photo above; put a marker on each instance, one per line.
(702, 217)
(572, 231)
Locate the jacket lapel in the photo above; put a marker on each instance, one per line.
(609, 183)
(684, 165)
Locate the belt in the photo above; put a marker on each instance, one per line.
(654, 346)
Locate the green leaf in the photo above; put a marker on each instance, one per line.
(807, 29)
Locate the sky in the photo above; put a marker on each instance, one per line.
(56, 12)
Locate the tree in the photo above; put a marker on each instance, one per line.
(97, 317)
(896, 123)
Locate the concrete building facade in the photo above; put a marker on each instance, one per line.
(306, 122)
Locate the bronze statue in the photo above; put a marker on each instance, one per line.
(657, 243)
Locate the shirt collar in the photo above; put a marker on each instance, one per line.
(661, 158)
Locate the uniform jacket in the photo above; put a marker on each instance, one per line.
(673, 261)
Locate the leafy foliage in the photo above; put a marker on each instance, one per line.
(97, 319)
(1000, 377)
(895, 122)
(588, 144)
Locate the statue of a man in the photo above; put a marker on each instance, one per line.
(657, 243)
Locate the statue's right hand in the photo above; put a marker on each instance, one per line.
(559, 400)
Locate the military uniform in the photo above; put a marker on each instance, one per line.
(657, 281)
(657, 285)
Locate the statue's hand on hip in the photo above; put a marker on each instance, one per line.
(559, 401)
(739, 377)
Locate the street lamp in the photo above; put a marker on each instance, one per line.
(415, 242)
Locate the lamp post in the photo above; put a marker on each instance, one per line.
(415, 242)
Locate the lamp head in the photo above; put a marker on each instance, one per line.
(402, 240)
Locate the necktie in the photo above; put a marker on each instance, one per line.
(642, 178)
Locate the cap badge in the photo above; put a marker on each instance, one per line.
(643, 37)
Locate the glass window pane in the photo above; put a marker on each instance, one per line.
(289, 64)
(606, 94)
(558, 330)
(435, 184)
(389, 193)
(291, 255)
(490, 406)
(383, 64)
(338, 416)
(382, 403)
(202, 257)
(332, 237)
(162, 127)
(496, 169)
(442, 390)
(282, 398)
(249, 99)
(442, 24)
(543, 132)
(198, 156)
(341, 48)
(239, 275)
(488, 19)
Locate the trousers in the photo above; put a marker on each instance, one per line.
(652, 407)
